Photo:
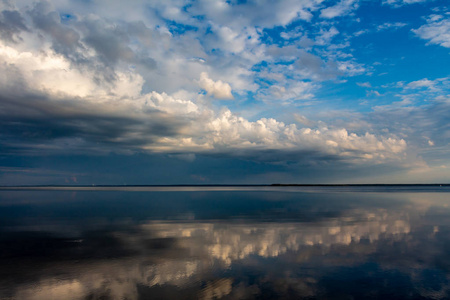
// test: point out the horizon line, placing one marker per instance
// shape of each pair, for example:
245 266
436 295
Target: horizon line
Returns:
227 185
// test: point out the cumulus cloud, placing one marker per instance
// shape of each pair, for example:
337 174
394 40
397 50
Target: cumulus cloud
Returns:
218 89
226 50
120 114
94 82
436 31
70 105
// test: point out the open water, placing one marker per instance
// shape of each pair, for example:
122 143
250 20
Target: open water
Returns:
369 242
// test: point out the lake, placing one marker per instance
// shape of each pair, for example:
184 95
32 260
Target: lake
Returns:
244 242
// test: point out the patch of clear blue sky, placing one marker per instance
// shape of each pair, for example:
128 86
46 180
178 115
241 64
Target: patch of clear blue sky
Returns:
177 28
388 55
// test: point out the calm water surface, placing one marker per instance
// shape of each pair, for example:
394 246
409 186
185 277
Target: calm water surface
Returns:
225 243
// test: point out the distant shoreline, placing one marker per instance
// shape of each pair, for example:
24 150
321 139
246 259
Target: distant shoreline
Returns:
234 185
435 187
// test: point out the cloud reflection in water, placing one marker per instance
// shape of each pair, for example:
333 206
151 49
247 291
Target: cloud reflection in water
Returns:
392 250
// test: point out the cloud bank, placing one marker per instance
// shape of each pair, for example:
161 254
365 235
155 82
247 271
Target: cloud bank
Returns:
83 82
66 106
159 78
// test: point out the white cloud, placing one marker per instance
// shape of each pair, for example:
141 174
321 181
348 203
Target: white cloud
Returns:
389 25
204 129
364 84
342 8
132 70
426 87
420 84
361 32
398 3
50 72
436 31
350 67
263 13
373 92
299 90
236 242
325 36
226 42
218 89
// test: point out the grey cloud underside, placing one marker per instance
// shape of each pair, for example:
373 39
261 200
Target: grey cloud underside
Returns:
45 120
287 157
34 125
11 23
88 83
27 120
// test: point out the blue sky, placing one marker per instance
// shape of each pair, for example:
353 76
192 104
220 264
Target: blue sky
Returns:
181 92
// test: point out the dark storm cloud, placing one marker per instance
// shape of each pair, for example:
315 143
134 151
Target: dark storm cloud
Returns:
47 123
286 156
29 120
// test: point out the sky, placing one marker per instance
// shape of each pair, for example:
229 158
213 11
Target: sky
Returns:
224 92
